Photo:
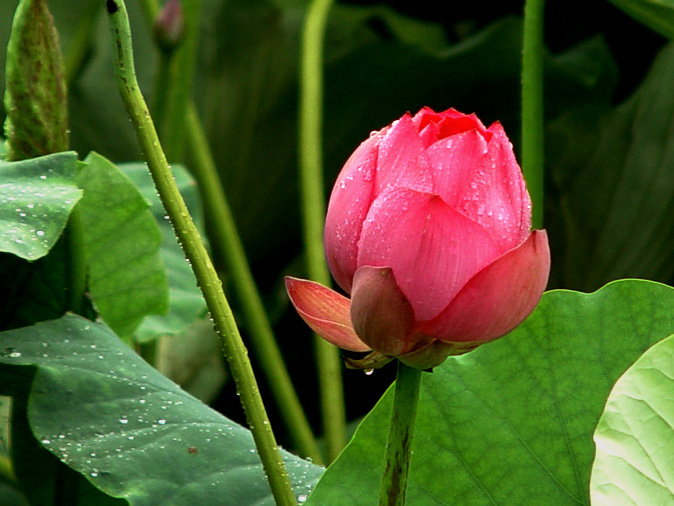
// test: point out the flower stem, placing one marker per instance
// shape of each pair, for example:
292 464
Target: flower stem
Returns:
532 107
252 309
401 433
313 210
180 85
227 241
195 251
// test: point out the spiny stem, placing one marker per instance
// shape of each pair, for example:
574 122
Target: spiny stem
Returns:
313 211
532 107
233 347
401 433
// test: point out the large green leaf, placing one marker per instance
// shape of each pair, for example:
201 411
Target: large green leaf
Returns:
186 302
36 197
512 422
615 175
127 429
635 435
656 14
127 279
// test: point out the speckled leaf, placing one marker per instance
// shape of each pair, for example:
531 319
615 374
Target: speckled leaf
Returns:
127 429
36 197
127 278
511 423
635 435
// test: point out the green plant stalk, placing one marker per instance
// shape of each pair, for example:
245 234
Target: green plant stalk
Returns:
6 469
313 212
161 88
195 251
532 107
181 77
401 433
78 48
227 238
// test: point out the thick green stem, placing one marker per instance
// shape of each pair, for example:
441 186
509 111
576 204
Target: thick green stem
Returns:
401 433
532 107
313 211
226 237
195 251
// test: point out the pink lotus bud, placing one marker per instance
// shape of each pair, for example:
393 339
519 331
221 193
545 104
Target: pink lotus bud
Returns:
428 230
169 26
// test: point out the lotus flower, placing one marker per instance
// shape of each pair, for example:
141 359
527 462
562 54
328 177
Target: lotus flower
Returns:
428 230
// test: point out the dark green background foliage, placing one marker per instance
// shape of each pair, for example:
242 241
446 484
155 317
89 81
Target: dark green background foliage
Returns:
609 146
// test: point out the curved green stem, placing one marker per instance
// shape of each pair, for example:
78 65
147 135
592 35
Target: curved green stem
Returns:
401 433
195 251
313 211
181 75
227 238
532 107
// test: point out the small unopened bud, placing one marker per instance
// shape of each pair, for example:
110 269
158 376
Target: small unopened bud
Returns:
169 26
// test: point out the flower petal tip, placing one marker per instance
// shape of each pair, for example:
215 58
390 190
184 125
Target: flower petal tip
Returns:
325 311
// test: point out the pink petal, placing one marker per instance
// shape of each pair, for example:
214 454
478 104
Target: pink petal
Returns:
325 311
432 249
499 297
402 161
380 313
435 126
483 181
349 203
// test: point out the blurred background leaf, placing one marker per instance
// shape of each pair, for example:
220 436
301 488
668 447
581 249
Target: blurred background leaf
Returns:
615 180
657 15
186 302
127 278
